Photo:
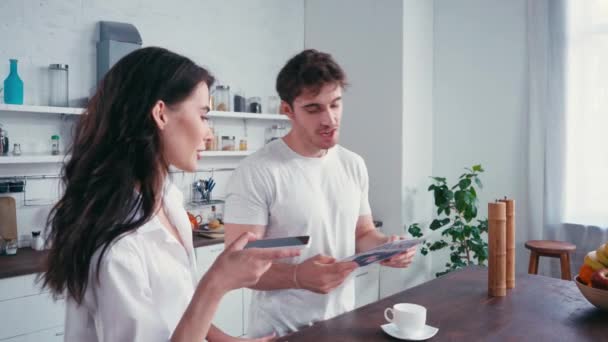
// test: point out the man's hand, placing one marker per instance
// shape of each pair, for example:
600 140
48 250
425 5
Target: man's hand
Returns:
322 274
401 260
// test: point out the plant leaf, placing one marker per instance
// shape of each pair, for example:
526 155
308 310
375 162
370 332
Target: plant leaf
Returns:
415 230
478 168
438 245
464 183
436 224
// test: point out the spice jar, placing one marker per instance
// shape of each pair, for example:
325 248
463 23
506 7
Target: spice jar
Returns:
243 145
228 143
11 247
17 149
240 102
255 105
3 141
37 241
58 92
55 145
273 105
222 98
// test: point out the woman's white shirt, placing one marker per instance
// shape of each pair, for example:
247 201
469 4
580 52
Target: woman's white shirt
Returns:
146 281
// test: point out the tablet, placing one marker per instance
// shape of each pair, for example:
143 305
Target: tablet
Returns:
383 252
296 242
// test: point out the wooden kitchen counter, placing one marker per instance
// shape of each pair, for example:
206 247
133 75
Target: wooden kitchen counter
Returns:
28 261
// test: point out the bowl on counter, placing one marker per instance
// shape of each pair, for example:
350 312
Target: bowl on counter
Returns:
597 297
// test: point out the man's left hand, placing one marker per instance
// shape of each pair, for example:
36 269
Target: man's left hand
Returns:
401 260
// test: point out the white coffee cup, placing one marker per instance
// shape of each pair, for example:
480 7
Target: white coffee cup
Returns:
408 318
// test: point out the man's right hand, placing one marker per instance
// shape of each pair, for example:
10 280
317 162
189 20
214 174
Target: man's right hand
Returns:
322 274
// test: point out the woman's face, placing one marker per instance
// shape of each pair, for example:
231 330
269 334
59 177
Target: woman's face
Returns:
185 129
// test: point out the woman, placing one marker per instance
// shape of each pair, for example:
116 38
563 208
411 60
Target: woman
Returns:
122 246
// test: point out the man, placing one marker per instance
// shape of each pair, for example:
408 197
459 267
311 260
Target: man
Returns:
306 184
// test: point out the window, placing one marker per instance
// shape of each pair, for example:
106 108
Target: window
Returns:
586 74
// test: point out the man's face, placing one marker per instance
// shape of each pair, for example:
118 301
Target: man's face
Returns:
316 118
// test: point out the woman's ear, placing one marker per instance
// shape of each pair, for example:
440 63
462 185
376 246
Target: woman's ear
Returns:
159 114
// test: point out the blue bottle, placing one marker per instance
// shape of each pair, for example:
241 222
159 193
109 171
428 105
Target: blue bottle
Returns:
13 86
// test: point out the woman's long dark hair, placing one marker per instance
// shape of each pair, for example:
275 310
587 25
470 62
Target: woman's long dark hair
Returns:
116 148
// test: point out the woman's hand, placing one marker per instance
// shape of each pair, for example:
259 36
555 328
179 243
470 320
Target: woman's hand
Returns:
236 268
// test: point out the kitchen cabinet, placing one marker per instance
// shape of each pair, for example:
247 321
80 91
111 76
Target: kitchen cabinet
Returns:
229 316
30 314
27 310
47 335
367 285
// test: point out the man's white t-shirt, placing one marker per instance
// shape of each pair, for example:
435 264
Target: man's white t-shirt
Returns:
294 195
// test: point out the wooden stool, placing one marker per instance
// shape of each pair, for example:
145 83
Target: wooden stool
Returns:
552 249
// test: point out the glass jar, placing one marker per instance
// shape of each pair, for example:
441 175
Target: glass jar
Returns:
55 145
228 143
37 241
255 104
17 149
240 102
221 98
243 145
59 85
11 247
273 105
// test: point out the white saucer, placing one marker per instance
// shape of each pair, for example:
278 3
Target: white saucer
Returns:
424 334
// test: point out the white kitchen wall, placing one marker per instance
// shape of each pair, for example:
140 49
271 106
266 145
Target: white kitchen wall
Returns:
386 52
244 43
480 97
476 70
418 56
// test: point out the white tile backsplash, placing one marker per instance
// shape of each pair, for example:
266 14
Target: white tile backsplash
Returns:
243 42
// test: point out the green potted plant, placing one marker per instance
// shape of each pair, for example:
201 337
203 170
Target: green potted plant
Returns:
457 221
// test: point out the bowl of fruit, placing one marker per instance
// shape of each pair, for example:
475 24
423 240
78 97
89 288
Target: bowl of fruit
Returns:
592 279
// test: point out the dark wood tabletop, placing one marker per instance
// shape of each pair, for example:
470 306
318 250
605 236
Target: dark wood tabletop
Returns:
538 309
28 261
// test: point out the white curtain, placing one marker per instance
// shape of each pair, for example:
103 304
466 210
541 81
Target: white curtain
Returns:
567 161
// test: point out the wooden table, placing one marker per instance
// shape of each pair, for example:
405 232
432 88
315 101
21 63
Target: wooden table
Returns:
538 309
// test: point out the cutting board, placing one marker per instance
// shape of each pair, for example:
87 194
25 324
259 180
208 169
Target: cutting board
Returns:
8 218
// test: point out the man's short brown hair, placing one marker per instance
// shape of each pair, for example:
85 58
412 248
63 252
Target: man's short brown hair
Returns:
309 70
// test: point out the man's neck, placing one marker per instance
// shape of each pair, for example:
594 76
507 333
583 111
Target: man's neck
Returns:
301 148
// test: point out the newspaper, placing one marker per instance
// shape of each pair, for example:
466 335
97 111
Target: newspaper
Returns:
383 252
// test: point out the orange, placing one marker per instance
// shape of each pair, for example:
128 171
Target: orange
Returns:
585 274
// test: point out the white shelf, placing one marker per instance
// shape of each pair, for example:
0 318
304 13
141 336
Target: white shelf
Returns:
79 111
40 109
50 159
32 159
253 116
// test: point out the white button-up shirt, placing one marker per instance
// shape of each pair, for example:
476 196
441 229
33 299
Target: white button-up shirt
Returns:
146 281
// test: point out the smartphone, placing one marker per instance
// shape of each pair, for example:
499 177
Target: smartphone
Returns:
295 242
